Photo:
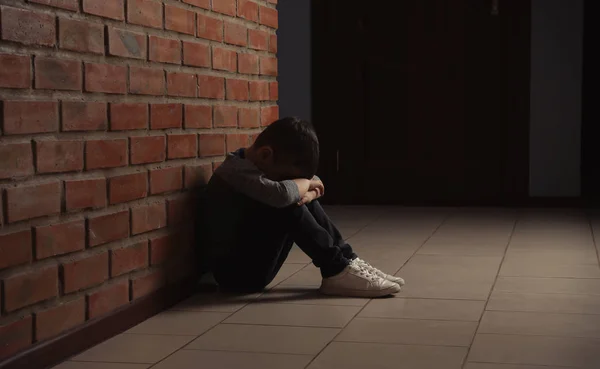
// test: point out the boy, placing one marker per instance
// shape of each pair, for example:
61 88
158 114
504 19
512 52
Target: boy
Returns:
263 199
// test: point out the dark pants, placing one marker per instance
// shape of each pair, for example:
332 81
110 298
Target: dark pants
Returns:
267 238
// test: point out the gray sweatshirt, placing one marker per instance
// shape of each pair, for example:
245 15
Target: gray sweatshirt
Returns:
245 178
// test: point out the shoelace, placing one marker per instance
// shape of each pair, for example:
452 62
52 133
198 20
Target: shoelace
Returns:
366 265
365 272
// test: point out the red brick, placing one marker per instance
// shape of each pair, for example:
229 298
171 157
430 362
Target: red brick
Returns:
126 44
59 239
197 175
84 116
29 288
147 218
166 180
273 91
198 116
127 187
211 87
248 63
108 228
224 7
57 74
237 141
273 43
15 249
33 201
164 116
204 4
148 149
165 50
268 115
28 27
80 36
85 193
181 84
85 273
129 258
26 117
259 90
128 116
180 20
161 249
178 211
236 34
108 299
258 40
145 13
57 319
15 337
268 66
268 17
72 5
182 146
105 154
212 145
105 78
247 9
114 9
237 89
249 118
196 55
210 28
15 71
146 81
224 59
148 283
59 156
16 160
225 116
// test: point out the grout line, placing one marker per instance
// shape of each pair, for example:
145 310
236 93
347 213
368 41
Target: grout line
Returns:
465 360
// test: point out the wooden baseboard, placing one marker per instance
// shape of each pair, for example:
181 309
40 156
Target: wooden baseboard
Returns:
52 352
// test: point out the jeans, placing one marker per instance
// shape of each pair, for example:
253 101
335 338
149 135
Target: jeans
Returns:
267 237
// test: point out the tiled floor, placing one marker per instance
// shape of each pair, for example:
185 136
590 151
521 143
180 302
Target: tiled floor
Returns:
486 289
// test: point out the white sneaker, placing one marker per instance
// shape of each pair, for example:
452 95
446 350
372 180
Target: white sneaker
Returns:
379 273
358 281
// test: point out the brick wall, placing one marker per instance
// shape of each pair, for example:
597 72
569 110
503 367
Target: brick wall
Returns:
111 110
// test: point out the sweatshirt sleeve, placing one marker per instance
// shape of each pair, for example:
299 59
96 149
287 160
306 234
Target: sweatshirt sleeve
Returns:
245 178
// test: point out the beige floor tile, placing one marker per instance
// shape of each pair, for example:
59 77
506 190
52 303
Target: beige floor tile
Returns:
88 365
193 359
548 285
409 332
459 310
383 356
175 322
267 339
544 303
536 350
540 324
309 276
533 268
462 249
449 277
134 348
295 315
510 366
577 256
285 272
307 296
216 302
297 256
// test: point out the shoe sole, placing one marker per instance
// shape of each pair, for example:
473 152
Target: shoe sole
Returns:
361 293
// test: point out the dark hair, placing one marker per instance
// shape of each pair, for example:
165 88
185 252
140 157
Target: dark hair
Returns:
294 142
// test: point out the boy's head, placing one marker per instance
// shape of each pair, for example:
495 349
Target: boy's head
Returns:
287 149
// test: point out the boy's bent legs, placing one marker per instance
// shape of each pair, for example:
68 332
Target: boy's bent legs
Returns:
324 221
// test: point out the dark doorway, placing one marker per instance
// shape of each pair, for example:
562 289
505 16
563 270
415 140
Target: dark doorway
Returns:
423 102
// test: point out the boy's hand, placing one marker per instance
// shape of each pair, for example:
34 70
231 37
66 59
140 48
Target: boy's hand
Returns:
318 186
309 197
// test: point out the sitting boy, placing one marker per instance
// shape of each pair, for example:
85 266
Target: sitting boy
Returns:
263 199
